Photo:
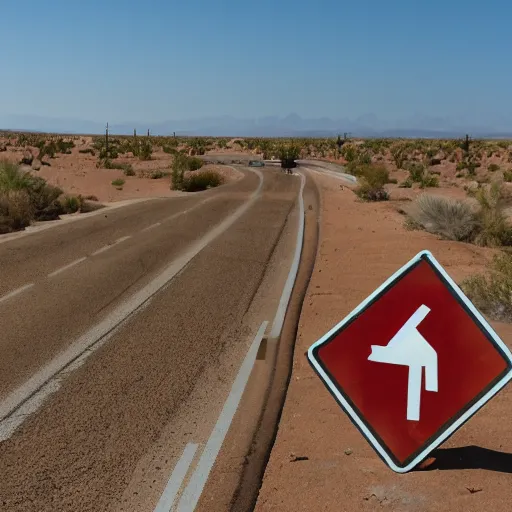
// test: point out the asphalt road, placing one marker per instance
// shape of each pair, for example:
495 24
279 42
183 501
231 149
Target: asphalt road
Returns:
122 335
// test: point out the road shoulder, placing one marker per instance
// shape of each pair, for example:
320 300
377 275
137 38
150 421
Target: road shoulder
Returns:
319 460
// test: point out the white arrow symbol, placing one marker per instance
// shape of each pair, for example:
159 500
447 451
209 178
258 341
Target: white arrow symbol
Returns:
409 348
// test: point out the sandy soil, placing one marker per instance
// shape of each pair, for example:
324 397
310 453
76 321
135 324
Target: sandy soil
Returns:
319 460
77 173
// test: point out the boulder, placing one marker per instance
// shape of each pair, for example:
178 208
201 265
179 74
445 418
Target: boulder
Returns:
36 164
45 160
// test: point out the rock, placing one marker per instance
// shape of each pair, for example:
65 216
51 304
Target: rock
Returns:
36 164
3 148
435 161
472 185
27 159
45 160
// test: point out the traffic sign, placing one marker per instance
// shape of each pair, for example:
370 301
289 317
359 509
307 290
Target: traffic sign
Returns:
412 362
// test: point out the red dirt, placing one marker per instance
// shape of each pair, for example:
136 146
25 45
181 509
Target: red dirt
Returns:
77 173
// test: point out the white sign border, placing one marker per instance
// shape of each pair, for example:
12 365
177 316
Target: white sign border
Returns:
467 414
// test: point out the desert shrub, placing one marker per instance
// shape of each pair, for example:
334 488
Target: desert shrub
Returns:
156 175
373 178
16 211
194 163
349 152
87 151
145 149
179 166
450 218
494 228
63 146
119 182
507 175
201 181
169 150
407 183
493 167
492 293
125 167
71 204
419 174
453 219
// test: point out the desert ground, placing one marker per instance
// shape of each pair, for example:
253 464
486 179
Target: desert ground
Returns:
370 206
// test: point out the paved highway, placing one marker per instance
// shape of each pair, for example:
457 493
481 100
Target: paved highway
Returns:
126 341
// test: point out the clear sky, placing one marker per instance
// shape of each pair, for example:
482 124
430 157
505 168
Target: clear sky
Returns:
155 60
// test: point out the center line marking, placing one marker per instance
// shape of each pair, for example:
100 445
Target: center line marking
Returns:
155 225
12 294
109 246
72 264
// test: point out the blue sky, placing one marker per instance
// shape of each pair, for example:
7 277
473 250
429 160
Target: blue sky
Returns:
124 60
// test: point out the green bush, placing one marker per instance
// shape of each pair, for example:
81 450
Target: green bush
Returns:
373 178
71 204
87 151
507 175
156 175
195 163
118 182
202 181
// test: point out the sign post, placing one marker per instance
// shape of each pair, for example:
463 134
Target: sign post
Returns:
412 363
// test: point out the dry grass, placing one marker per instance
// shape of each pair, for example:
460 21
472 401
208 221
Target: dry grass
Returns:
449 218
453 219
492 293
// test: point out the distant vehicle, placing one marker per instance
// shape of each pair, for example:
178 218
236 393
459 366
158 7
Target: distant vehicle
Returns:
256 163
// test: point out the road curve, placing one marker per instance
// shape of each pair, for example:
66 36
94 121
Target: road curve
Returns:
206 270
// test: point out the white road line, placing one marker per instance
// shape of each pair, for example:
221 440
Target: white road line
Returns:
155 225
178 475
12 294
91 340
109 246
192 492
292 275
66 267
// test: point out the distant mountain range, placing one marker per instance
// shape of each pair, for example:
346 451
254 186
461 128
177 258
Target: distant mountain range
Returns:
290 126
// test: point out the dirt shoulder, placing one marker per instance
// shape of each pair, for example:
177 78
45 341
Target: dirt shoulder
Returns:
319 460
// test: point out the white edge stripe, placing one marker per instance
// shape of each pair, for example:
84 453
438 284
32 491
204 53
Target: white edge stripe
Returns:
194 489
288 287
176 480
499 385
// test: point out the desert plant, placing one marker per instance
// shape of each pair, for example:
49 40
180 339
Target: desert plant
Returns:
492 293
507 175
119 182
16 211
450 218
87 151
71 204
156 175
373 178
494 228
493 167
194 163
201 181
179 166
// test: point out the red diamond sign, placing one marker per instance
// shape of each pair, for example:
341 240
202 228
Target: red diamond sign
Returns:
412 363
